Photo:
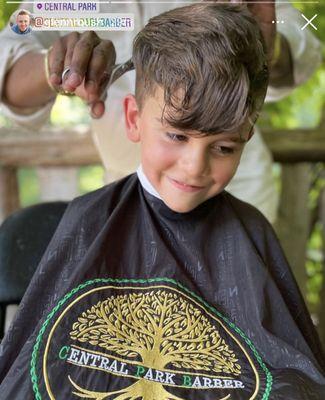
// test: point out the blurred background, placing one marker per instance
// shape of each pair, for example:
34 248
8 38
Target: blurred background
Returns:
301 183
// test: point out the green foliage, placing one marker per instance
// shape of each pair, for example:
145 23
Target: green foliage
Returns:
90 178
314 267
5 122
5 12
309 9
315 247
304 106
69 111
29 191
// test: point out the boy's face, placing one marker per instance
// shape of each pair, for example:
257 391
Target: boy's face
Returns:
184 170
22 22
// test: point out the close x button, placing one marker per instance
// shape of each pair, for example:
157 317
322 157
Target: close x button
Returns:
309 22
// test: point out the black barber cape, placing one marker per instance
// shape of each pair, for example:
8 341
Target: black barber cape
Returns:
134 301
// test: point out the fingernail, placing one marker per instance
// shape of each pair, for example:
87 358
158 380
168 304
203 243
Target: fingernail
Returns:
74 79
97 110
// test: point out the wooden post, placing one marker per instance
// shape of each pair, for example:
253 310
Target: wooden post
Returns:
321 309
9 193
294 217
58 183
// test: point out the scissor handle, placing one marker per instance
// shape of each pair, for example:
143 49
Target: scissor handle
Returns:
117 71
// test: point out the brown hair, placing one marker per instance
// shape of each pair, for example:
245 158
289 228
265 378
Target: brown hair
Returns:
23 12
212 56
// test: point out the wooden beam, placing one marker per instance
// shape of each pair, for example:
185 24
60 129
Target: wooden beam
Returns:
75 147
301 145
52 147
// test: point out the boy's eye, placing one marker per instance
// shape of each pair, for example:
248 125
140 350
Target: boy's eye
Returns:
223 150
176 137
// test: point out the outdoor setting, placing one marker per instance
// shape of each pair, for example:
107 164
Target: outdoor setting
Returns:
293 129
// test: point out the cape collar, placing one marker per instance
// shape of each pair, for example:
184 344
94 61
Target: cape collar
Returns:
146 184
163 210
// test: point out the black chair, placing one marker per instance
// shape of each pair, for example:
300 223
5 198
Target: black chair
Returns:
24 237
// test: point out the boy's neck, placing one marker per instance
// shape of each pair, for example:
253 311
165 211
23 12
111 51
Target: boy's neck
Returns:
145 183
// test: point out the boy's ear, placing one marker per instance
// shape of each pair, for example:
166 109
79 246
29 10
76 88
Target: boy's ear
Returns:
132 116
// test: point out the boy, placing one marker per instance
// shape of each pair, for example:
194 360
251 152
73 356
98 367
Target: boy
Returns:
161 285
22 25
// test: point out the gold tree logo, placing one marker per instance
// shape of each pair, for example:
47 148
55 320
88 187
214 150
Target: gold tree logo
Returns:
158 329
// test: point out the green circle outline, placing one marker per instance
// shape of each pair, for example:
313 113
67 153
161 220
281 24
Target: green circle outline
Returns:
33 374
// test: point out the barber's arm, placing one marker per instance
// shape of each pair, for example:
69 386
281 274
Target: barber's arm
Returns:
25 83
21 97
31 82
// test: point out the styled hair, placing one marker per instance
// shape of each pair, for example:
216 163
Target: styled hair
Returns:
24 12
210 60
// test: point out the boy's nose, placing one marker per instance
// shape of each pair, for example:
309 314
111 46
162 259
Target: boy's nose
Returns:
195 164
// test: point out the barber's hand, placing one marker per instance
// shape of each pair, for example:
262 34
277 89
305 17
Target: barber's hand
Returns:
89 58
264 13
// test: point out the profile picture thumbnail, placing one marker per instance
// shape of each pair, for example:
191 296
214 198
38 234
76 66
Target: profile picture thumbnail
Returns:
21 22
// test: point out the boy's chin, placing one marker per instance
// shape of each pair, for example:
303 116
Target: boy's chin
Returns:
180 207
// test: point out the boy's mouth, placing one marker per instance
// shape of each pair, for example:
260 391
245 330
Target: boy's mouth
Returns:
184 186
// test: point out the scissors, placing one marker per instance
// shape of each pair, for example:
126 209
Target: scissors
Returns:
115 73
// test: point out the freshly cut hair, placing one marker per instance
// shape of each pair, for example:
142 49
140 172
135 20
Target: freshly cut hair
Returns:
210 60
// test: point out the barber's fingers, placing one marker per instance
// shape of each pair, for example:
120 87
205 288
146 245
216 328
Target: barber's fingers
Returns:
101 62
77 59
71 41
57 56
89 60
97 109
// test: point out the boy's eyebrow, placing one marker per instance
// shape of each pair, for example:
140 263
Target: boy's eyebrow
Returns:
236 139
239 139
